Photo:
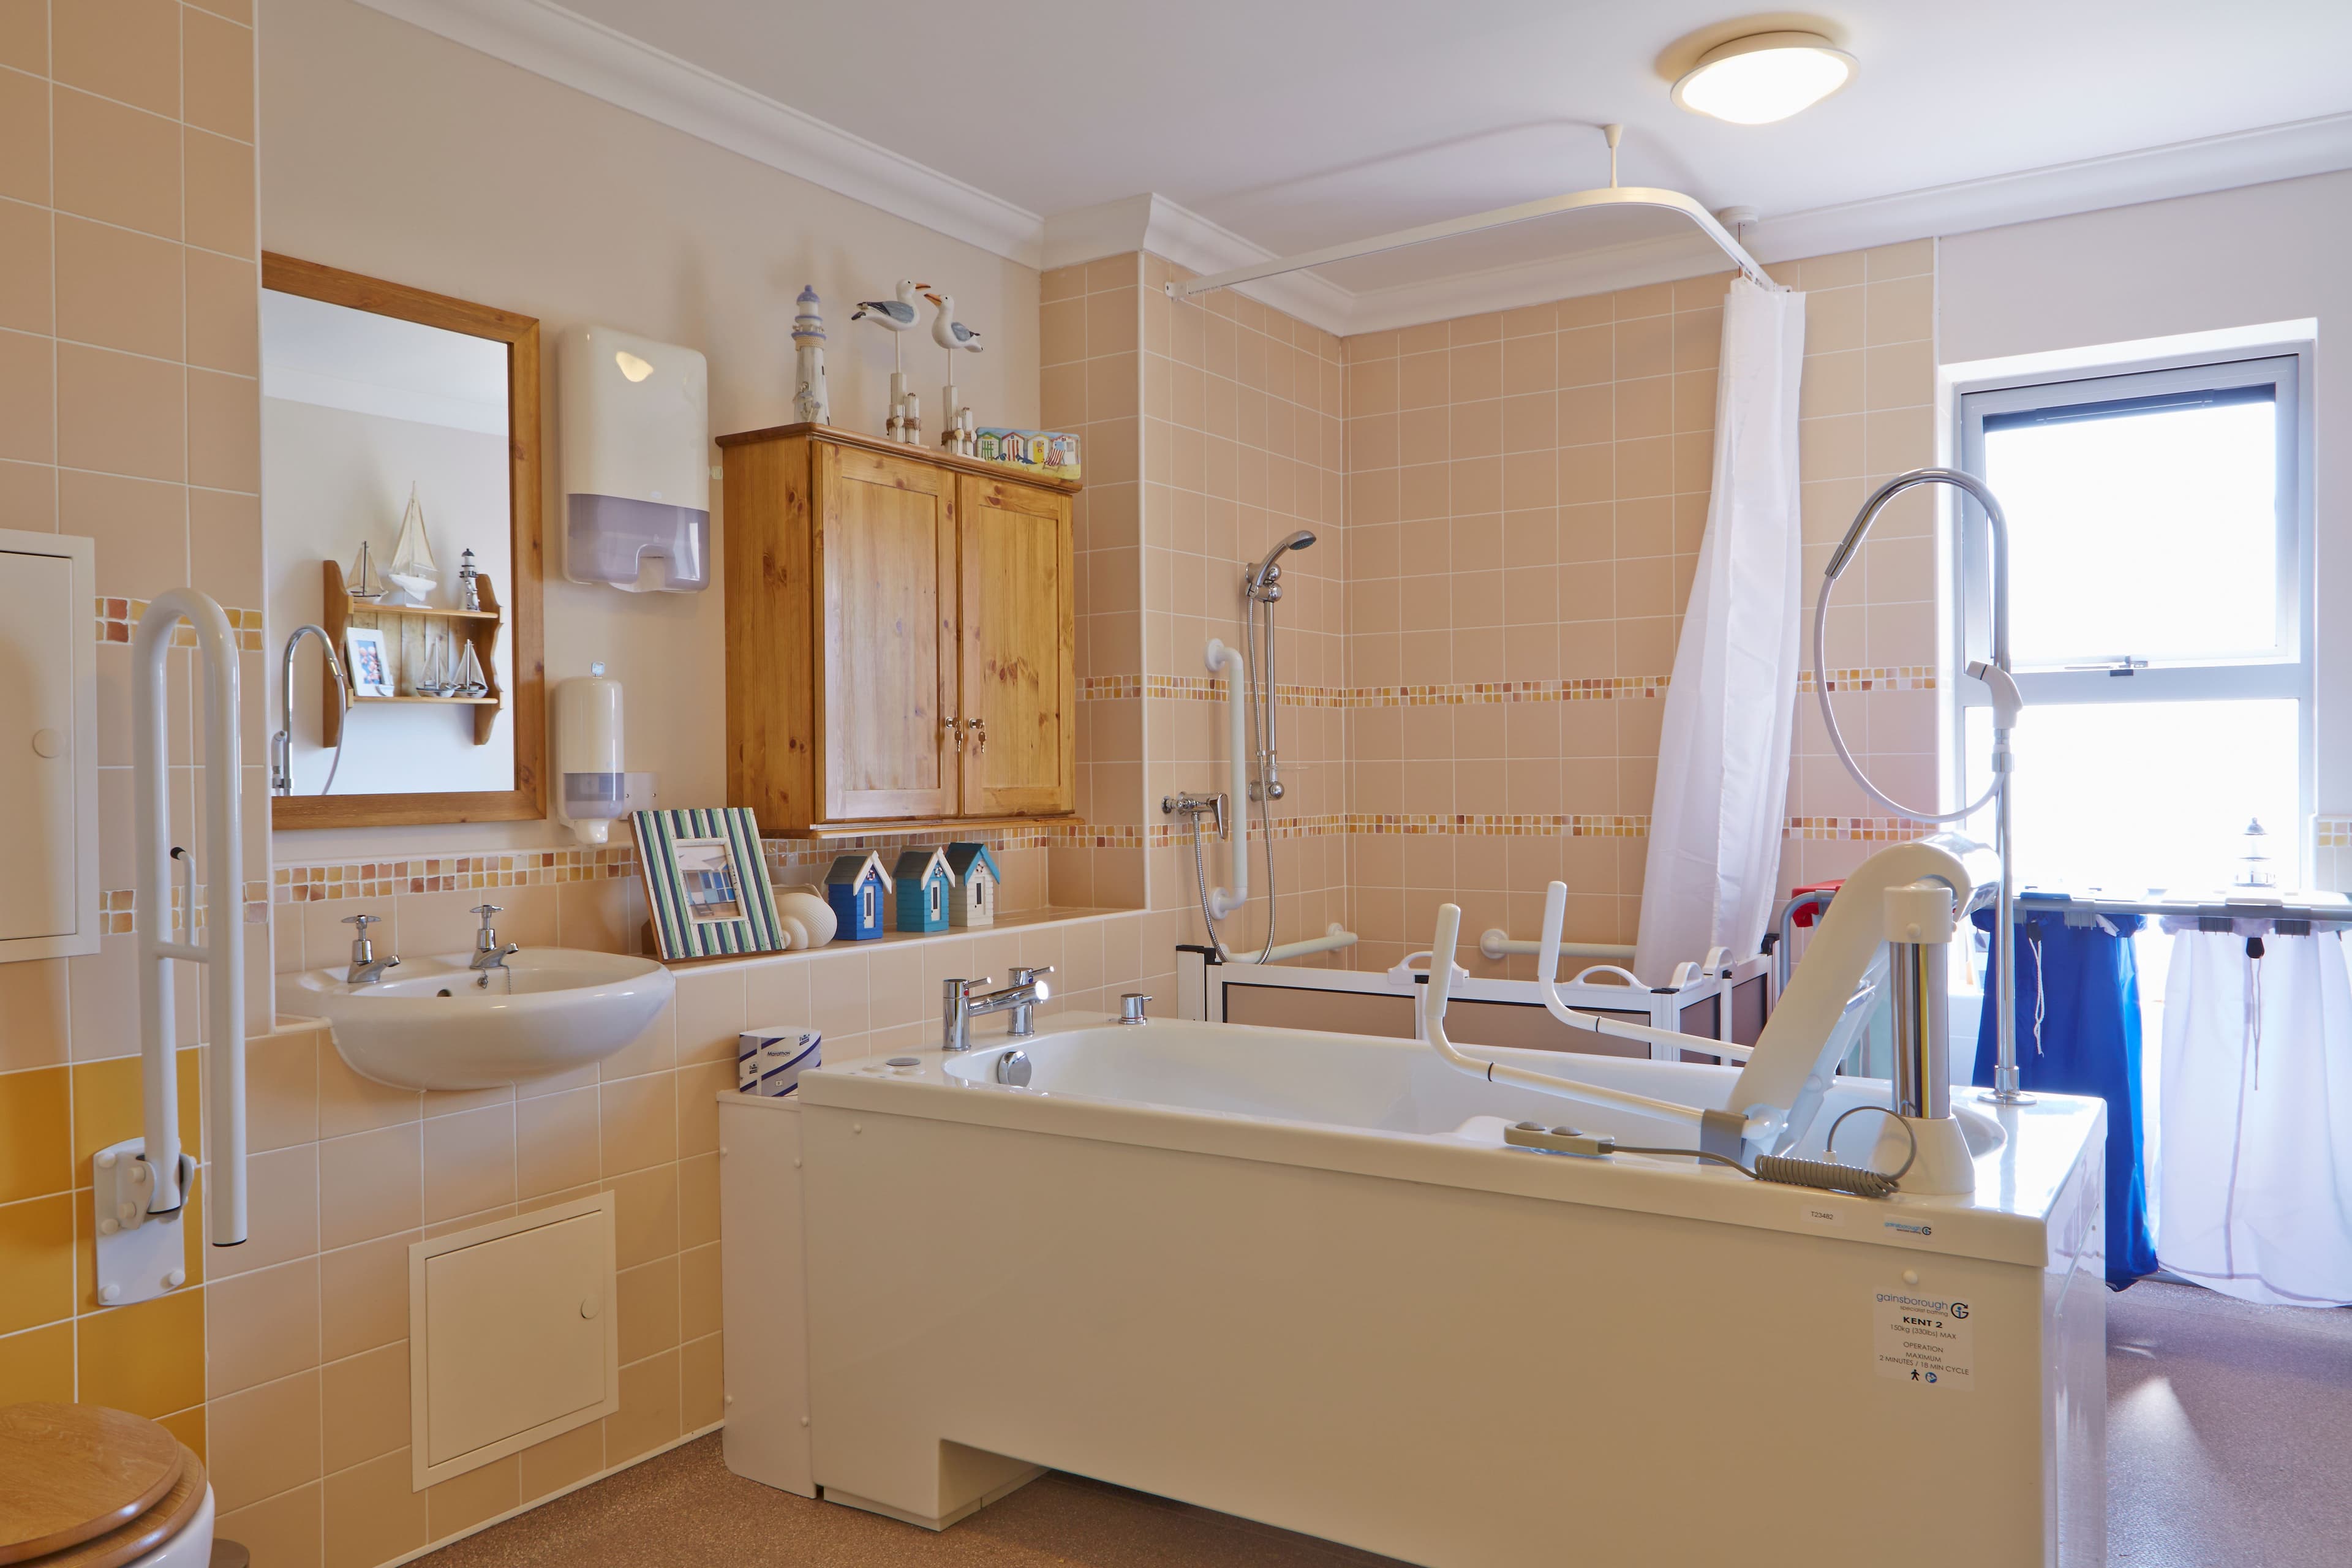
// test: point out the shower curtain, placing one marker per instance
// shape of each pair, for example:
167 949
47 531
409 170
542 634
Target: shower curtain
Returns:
1714 863
2255 1117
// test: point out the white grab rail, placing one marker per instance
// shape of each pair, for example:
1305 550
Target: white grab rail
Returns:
1497 943
223 945
1546 988
1335 937
1226 900
1440 983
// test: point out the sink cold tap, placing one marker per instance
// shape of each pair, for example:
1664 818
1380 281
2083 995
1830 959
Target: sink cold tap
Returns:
958 1005
488 954
366 967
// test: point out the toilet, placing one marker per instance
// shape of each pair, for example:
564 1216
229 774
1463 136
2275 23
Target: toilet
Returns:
93 1488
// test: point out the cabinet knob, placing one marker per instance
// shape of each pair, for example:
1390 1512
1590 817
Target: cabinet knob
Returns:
980 733
954 728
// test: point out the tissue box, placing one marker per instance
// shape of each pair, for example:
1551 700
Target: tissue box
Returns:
771 1060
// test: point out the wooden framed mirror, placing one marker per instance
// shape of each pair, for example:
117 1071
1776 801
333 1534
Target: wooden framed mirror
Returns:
391 416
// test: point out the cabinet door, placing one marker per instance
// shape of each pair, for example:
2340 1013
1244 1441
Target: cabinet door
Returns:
887 545
1020 641
39 621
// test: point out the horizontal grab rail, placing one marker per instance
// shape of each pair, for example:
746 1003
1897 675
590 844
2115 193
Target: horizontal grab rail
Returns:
1335 937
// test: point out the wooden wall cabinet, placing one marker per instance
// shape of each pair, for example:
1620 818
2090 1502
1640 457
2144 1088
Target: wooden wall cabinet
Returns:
901 637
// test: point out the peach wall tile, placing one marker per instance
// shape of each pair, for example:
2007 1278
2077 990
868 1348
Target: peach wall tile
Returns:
224 329
648 1416
468 1164
366 1397
560 1461
124 49
117 163
364 1296
25 299
264 1325
23 137
282 1532
372 1516
217 79
219 176
27 400
121 413
466 1500
371 1185
224 431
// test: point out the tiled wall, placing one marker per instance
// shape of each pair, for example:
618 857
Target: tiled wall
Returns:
128 413
1221 417
1526 495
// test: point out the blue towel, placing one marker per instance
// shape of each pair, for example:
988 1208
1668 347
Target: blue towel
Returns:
2090 1033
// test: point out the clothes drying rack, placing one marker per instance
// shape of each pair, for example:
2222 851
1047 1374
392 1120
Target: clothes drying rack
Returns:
1615 195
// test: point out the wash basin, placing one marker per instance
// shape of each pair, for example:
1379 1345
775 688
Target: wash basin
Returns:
433 1023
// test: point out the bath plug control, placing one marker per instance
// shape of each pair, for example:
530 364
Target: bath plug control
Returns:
1545 1140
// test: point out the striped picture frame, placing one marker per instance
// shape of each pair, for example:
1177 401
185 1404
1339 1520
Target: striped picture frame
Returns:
707 883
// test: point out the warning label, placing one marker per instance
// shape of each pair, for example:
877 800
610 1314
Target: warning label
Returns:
1925 1340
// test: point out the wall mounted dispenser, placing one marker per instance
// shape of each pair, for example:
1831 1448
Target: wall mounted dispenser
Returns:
635 426
591 790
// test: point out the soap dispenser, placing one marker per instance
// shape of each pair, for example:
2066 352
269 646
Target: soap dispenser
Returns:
592 790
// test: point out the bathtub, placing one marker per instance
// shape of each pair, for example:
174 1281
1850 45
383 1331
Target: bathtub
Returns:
1299 1277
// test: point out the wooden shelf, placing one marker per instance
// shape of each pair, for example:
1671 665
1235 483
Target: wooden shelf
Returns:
406 638
428 612
475 701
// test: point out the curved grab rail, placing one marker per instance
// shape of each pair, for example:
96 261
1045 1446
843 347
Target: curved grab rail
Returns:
1441 984
1546 988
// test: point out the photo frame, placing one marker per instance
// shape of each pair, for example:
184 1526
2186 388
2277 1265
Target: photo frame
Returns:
707 883
369 661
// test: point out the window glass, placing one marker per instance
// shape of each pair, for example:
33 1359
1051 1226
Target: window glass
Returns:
2145 530
2129 796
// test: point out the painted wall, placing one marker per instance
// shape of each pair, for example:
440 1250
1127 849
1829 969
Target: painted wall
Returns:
2244 257
394 152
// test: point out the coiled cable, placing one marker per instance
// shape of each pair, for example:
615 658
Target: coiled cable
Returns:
1830 1176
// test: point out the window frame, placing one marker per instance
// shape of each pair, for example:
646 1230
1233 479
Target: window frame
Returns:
2288 673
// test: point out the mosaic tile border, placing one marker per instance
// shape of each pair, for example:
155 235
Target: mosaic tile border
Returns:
1883 678
1203 688
118 620
1857 829
118 907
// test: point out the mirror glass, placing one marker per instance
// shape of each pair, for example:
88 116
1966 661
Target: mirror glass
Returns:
389 481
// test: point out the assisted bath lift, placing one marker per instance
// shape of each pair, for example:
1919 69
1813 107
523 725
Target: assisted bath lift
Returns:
1901 903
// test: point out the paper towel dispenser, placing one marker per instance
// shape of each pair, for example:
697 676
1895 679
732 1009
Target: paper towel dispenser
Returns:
635 426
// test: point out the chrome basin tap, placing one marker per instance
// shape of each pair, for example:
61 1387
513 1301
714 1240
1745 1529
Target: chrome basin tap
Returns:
960 1006
488 954
366 967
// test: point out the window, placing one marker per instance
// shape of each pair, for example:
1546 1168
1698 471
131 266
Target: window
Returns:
2159 618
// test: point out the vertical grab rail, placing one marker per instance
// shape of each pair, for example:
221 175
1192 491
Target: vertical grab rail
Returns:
222 948
1224 900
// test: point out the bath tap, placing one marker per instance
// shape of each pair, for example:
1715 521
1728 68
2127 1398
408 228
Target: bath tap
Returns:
958 1006
488 954
366 967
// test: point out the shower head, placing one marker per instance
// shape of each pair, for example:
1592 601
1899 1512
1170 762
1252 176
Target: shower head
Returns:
1258 578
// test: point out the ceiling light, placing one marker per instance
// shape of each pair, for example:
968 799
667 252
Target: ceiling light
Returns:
1764 76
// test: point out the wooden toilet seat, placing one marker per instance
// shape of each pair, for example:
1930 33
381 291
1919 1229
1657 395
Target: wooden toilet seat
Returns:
89 1487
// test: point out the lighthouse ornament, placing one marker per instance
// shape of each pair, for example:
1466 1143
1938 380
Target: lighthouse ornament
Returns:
811 404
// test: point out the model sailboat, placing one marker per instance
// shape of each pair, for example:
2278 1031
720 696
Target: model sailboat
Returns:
411 569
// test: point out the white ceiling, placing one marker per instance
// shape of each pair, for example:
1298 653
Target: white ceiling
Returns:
1297 123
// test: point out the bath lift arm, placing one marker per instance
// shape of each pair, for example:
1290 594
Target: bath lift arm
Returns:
1720 1132
1547 973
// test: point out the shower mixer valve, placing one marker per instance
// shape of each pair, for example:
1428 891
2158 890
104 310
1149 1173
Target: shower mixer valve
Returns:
1184 802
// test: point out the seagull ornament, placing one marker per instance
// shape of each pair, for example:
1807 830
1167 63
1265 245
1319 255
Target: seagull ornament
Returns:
946 331
896 314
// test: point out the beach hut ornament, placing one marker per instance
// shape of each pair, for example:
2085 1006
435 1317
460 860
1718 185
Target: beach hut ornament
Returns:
923 882
971 900
855 888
